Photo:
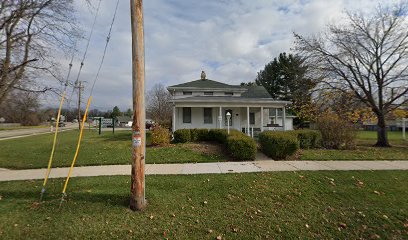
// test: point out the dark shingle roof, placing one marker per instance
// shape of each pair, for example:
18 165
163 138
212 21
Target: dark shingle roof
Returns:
256 92
207 83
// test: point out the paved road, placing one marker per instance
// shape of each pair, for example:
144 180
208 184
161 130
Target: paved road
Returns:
18 133
207 168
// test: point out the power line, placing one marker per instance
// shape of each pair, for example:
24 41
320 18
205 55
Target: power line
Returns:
87 106
106 46
87 44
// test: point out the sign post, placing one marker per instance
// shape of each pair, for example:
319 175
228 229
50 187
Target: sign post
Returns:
137 189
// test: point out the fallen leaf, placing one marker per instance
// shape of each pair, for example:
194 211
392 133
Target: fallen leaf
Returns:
385 216
343 225
151 217
235 230
210 231
35 205
406 224
205 202
219 237
307 226
377 192
1 197
375 236
359 183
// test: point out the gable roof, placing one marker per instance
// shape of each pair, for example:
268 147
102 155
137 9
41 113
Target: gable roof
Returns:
255 92
207 83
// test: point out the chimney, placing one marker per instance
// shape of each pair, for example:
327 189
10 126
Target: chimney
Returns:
203 75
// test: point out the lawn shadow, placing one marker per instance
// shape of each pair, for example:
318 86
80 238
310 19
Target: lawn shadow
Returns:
77 197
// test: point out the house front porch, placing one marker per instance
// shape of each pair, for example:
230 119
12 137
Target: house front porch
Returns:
249 119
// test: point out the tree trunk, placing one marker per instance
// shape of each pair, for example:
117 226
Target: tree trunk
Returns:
382 139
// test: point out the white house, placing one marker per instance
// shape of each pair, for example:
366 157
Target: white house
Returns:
209 104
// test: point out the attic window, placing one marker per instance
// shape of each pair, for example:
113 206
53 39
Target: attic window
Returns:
229 93
187 93
208 93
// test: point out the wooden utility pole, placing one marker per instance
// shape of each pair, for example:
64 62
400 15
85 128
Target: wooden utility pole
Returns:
79 104
137 189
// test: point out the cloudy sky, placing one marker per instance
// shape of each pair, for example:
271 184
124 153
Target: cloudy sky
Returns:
230 39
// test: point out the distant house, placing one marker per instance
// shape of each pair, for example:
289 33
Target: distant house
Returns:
123 121
207 103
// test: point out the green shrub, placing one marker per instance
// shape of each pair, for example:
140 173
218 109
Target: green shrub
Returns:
308 138
337 133
203 135
218 135
199 135
278 145
241 147
182 136
238 145
160 136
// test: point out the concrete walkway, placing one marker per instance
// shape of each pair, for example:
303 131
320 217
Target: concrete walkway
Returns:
207 168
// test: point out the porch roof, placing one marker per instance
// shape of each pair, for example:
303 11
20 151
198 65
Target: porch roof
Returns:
228 99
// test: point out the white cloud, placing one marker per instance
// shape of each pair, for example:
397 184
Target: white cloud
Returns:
230 40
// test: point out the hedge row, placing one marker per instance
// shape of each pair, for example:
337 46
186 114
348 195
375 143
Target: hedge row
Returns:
279 145
238 145
308 138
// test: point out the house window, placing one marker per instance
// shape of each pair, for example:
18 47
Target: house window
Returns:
187 93
252 118
225 117
186 115
229 93
208 93
208 115
274 111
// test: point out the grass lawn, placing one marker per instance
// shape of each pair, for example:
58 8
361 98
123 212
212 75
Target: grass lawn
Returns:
34 151
364 150
306 205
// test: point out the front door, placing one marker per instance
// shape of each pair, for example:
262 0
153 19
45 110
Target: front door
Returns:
237 120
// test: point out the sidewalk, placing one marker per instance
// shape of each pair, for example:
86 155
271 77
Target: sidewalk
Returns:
207 168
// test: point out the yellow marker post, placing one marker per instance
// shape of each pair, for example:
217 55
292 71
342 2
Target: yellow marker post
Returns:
77 149
47 174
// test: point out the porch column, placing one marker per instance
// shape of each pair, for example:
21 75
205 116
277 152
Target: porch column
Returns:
262 123
276 116
174 118
220 118
248 132
284 118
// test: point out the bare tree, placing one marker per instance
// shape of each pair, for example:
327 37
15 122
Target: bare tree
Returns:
22 107
31 33
159 107
367 55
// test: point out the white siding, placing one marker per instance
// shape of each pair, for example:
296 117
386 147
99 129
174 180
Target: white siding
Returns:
239 122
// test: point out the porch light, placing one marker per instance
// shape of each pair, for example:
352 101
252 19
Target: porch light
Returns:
228 121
